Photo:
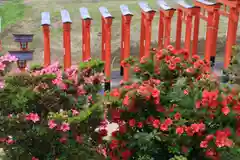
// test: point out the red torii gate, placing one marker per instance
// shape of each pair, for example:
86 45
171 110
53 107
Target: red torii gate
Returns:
212 27
147 15
66 20
86 24
166 14
233 16
46 36
107 19
125 39
185 14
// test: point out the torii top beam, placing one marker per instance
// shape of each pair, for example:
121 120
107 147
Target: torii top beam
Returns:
45 18
164 6
187 8
84 13
125 10
209 6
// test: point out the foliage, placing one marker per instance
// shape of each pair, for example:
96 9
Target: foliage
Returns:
5 64
177 108
48 113
232 72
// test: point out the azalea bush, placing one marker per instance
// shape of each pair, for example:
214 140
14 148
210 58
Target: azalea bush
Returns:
231 74
48 113
176 109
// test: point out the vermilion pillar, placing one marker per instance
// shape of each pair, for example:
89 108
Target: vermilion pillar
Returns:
179 28
46 37
146 23
142 35
166 14
186 13
125 43
106 26
212 19
188 32
86 24
161 30
122 46
47 55
195 34
231 34
233 16
103 39
66 38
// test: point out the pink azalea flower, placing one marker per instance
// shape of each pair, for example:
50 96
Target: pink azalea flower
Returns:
80 90
9 140
75 112
2 84
51 124
65 127
34 158
10 115
32 117
2 66
63 139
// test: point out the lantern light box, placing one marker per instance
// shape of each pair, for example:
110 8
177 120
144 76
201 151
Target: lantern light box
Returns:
23 38
22 55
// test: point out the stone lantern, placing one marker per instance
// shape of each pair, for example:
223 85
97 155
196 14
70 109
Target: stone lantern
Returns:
24 54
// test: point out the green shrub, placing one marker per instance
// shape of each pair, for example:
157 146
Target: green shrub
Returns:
176 109
50 114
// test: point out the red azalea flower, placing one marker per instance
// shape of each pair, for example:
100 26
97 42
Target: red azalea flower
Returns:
126 154
143 60
209 137
34 158
225 110
196 57
204 144
179 130
210 153
164 127
140 125
184 149
79 139
132 122
155 93
114 144
172 66
126 100
170 48
160 108
116 114
63 140
103 132
150 120
115 93
189 131
238 132
156 123
137 69
168 121
114 133
122 129
177 116
198 104
185 92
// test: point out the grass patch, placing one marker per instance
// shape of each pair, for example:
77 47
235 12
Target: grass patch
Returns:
11 12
